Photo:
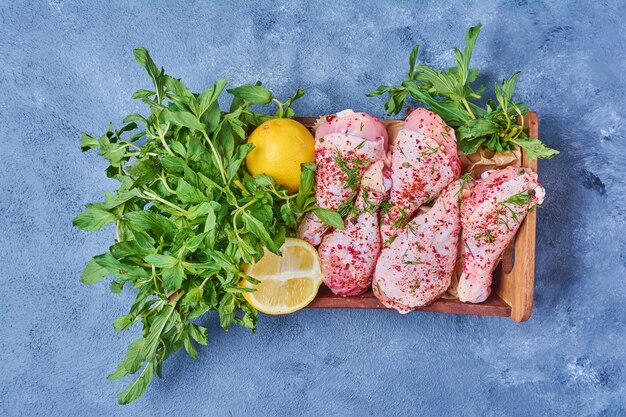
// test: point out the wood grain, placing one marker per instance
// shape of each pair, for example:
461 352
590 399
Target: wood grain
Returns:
493 306
516 286
513 284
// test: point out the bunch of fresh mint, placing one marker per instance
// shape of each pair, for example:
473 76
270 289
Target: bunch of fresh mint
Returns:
187 214
450 94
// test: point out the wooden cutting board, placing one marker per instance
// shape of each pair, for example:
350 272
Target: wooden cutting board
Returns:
513 278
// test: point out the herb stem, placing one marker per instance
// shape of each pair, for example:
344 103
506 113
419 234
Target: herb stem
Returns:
467 107
164 181
216 156
118 222
240 185
283 197
133 145
156 286
280 112
237 212
161 136
164 201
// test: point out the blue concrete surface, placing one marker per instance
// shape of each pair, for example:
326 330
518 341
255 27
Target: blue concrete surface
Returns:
67 67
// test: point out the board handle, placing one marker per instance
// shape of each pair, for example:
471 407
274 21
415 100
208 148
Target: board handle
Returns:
517 278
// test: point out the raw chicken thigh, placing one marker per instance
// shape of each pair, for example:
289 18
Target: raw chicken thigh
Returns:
349 256
424 161
416 268
347 142
491 213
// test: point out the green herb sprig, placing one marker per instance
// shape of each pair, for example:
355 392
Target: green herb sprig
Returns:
187 214
450 94
352 169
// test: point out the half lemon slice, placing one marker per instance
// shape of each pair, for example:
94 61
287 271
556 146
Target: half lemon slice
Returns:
288 282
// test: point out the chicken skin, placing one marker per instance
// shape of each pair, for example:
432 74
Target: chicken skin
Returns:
345 146
492 210
424 161
416 268
349 256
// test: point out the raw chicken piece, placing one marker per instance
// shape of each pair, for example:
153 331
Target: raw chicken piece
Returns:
416 268
424 161
346 144
491 213
349 255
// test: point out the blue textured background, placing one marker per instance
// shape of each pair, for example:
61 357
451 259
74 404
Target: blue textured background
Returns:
66 67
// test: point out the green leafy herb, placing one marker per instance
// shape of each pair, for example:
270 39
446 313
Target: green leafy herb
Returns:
187 214
450 94
413 262
519 199
465 179
352 170
523 198
487 235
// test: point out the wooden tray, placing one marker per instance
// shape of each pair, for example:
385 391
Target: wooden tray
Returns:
513 278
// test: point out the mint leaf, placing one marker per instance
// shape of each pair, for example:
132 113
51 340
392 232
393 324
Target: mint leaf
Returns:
177 87
209 96
173 277
190 348
183 119
329 217
199 210
159 325
134 117
120 270
152 222
143 93
93 273
161 261
132 361
237 161
258 229
134 390
131 248
193 296
88 142
476 128
199 334
179 148
123 322
143 58
253 93
307 185
412 59
382 89
189 194
93 219
534 148
173 164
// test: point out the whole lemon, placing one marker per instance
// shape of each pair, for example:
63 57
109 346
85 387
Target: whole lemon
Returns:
280 146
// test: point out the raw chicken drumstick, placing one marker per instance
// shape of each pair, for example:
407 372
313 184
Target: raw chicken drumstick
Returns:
491 213
349 255
345 146
417 267
424 161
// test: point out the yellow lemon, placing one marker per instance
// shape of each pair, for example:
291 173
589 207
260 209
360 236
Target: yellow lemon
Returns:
288 282
280 146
